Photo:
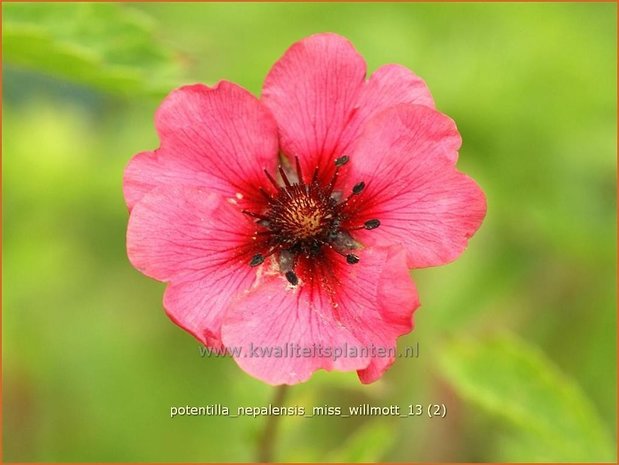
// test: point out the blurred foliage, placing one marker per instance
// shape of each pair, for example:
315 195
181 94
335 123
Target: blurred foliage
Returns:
510 379
91 365
368 444
101 44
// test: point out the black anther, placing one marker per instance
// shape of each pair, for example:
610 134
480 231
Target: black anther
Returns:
358 188
342 160
292 278
257 260
371 224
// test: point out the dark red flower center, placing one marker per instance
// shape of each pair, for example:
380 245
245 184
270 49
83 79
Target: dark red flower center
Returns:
303 218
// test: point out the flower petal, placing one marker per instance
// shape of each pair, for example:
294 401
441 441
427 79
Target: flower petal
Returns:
388 86
398 300
219 138
321 101
199 243
312 91
406 157
355 311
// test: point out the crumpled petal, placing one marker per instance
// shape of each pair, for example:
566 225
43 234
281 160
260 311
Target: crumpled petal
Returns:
198 242
319 96
219 138
359 310
406 157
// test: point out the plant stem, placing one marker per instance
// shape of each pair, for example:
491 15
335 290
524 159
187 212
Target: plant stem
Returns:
269 435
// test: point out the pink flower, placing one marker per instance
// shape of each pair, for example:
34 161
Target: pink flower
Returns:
300 263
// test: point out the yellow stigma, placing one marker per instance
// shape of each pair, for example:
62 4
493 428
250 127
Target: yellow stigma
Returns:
305 218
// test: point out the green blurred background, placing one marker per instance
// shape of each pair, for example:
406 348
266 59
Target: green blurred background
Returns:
517 338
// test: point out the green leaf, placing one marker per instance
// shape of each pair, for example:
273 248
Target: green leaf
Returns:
105 45
368 444
511 379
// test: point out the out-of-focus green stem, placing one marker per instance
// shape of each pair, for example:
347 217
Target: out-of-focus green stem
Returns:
267 442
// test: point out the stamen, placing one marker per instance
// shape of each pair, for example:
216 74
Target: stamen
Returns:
303 217
351 258
292 278
255 215
271 179
356 190
256 260
284 177
341 161
265 194
329 189
315 176
371 224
